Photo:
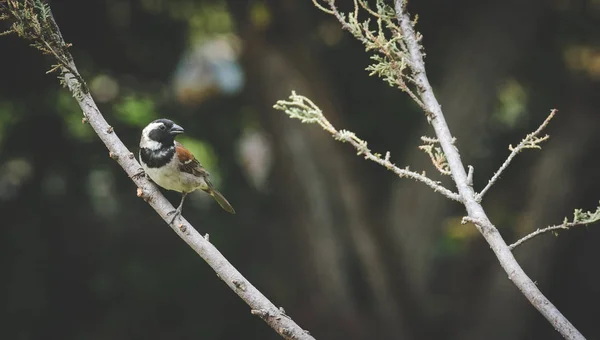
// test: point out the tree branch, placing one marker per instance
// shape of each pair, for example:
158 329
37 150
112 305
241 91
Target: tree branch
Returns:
474 209
53 42
580 218
531 141
399 61
302 108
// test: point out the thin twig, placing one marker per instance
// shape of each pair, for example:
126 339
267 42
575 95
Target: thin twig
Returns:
65 64
469 198
470 175
531 141
402 172
541 231
379 43
580 218
321 7
302 108
438 159
272 315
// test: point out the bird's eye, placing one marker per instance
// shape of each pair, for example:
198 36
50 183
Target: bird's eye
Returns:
162 127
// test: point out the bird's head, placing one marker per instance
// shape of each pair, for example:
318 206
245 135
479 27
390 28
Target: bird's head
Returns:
160 134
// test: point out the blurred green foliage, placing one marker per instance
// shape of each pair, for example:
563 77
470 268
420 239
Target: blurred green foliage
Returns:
135 110
8 117
512 101
71 112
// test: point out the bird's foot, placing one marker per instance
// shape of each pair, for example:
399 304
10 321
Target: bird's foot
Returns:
141 173
175 213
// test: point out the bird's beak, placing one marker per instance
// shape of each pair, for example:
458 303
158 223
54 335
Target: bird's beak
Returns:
176 130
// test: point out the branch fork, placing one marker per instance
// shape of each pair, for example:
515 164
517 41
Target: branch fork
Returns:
531 141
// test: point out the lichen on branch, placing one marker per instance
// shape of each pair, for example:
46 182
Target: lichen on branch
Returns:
580 218
32 20
301 108
381 36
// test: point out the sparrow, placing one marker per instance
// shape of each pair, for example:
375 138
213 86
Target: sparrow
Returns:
173 167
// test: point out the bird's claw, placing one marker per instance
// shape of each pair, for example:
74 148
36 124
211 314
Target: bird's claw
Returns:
141 173
175 214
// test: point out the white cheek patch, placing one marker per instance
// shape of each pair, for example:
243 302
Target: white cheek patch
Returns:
148 143
151 127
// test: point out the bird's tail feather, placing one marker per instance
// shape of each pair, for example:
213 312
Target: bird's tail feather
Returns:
222 201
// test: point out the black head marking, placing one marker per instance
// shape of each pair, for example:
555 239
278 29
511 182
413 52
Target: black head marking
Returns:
157 158
167 122
162 133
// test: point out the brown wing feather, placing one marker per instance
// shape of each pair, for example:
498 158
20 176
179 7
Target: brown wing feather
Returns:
189 163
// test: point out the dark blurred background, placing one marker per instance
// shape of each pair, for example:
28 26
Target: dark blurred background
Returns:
349 250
